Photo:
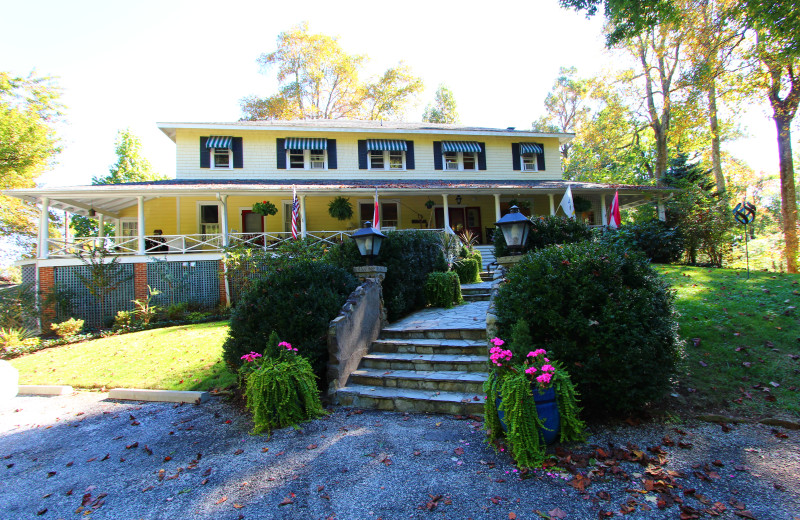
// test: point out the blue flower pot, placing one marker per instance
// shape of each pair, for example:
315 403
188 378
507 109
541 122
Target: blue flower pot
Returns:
547 408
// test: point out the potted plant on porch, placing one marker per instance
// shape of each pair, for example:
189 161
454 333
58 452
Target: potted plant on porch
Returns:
531 401
265 208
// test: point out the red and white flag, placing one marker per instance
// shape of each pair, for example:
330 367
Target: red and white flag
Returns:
376 214
614 219
295 213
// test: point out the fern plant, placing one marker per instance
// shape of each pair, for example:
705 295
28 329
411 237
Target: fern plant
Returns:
279 387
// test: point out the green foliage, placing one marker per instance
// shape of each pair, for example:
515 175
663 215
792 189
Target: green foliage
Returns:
14 339
603 312
340 208
297 300
145 309
409 256
131 165
125 320
443 289
17 306
661 243
468 270
443 109
67 328
282 392
176 311
89 227
546 231
265 208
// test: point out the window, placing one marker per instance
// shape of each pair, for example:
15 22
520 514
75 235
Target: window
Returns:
460 161
528 157
530 162
307 159
387 160
222 158
389 213
130 228
209 219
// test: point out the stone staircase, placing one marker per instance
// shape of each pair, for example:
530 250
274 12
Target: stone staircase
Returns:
421 364
477 292
487 254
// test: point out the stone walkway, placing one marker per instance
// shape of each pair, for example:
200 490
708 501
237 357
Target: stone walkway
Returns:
467 316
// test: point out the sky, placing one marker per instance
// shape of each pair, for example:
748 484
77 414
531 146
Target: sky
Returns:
133 64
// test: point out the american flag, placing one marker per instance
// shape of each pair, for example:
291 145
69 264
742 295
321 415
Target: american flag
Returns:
295 211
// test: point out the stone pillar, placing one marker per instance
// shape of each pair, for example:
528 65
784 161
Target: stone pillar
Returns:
603 213
47 284
370 272
140 225
44 229
552 204
662 211
446 212
140 281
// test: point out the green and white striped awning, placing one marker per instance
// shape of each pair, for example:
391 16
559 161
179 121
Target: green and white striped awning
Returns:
530 148
219 141
461 146
393 145
305 143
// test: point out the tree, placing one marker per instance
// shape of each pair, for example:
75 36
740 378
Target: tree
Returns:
319 80
443 109
29 109
564 105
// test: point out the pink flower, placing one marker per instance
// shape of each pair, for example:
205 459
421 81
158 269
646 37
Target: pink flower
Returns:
497 342
530 370
538 352
285 344
544 378
548 368
252 356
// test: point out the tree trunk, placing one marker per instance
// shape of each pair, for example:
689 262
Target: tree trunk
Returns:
788 201
713 124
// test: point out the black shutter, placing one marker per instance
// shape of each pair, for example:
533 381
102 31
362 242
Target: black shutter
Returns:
437 155
205 153
281 154
332 163
540 158
409 155
482 157
515 165
362 155
238 159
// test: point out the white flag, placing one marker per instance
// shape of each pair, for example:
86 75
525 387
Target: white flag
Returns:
567 204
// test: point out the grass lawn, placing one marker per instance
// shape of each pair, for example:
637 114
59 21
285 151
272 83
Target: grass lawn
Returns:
742 340
187 357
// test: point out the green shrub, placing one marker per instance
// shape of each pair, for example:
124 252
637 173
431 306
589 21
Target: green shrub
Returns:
298 301
125 320
14 339
471 253
17 306
443 289
602 311
468 270
547 231
280 387
659 242
176 311
67 328
408 256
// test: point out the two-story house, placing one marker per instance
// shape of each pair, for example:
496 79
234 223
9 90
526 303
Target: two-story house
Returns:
426 176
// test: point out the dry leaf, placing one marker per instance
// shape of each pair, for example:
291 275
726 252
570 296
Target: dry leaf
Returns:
221 500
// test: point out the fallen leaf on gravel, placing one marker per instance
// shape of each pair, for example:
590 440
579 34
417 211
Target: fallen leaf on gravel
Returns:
207 472
495 500
459 451
221 500
43 511
87 498
148 450
106 457
286 501
264 449
148 488
311 447
238 452
161 474
69 493
738 505
325 496
387 461
417 453
557 513
92 459
745 514
279 453
320 488
580 482
167 458
51 474
512 516
685 445
603 495
238 506
204 482
132 446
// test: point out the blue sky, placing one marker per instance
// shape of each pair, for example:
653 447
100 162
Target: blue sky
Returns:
131 64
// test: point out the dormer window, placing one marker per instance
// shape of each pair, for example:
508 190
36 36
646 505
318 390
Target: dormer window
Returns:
306 153
220 148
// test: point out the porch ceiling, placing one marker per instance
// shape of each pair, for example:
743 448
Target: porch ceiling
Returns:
109 199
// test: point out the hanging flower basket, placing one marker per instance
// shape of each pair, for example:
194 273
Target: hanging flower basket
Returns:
265 208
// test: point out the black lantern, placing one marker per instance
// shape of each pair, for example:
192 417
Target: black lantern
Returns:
458 199
369 241
515 227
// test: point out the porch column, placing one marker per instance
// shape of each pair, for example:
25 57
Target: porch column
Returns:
552 204
603 214
101 226
662 213
446 212
224 200
303 227
44 228
140 225
497 207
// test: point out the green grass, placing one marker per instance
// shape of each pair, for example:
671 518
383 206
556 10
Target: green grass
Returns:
739 340
187 357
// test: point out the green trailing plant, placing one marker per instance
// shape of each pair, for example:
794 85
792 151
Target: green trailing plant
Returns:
513 384
546 231
265 208
340 208
67 328
468 270
279 387
443 289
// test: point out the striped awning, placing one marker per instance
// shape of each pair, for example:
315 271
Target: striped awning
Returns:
461 146
305 143
393 145
219 141
530 148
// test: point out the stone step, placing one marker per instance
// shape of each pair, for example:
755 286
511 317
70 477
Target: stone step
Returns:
469 347
409 400
391 361
443 381
477 297
486 277
475 289
479 333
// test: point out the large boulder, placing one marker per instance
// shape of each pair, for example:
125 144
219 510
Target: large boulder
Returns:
9 381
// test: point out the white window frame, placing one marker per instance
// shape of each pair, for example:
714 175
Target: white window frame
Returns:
306 160
122 225
386 164
229 153
201 203
459 163
534 165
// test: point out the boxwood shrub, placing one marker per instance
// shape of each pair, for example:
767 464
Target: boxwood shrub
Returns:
443 289
604 313
468 270
546 231
661 243
408 256
297 301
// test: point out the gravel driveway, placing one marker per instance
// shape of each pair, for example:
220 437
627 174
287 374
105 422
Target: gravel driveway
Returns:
83 456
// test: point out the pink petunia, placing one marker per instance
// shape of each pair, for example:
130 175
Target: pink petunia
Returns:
530 370
497 342
544 378
548 368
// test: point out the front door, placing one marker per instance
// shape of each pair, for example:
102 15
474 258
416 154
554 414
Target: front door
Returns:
461 219
253 227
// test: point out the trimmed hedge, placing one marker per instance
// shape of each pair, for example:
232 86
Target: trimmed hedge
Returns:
546 231
661 243
468 270
443 289
602 311
297 301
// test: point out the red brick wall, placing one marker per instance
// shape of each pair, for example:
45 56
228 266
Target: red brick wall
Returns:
47 282
140 281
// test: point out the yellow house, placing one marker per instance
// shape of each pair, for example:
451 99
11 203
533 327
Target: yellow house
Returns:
424 175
